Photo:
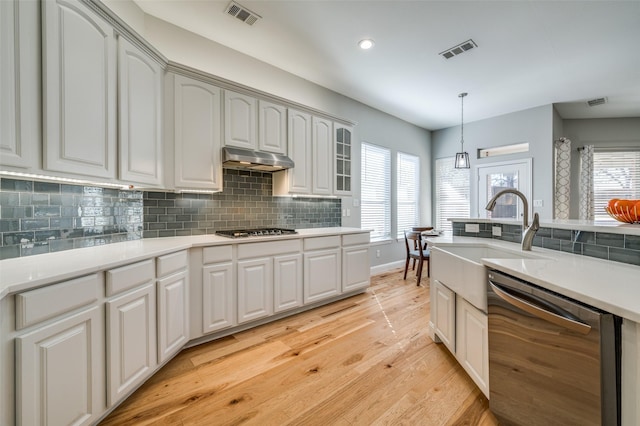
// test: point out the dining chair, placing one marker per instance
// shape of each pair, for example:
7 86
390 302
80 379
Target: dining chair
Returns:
416 253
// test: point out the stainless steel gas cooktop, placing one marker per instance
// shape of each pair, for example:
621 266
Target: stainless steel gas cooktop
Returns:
241 233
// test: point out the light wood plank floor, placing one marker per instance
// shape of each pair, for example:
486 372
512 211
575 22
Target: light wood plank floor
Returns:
366 360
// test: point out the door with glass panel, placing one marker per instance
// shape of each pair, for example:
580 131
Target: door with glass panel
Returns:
493 178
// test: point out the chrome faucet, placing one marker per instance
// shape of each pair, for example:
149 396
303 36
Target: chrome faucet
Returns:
528 231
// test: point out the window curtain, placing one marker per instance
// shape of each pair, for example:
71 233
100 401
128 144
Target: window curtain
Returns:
586 183
562 188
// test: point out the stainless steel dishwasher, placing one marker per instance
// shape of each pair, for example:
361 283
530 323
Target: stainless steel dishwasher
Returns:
552 360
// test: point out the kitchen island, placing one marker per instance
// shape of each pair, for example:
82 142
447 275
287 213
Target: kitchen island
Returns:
611 286
100 321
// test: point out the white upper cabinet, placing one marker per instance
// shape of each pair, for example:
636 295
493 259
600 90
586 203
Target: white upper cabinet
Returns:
140 109
20 126
298 179
272 125
79 74
240 120
322 165
343 159
197 135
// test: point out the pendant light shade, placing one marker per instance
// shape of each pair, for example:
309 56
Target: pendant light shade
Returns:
462 157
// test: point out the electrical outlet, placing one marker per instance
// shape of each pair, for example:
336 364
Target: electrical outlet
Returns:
344 212
471 227
348 212
537 203
377 253
496 231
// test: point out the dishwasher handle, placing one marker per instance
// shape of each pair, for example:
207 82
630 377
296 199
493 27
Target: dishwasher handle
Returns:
561 317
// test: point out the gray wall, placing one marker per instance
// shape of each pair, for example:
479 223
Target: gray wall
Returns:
534 126
602 133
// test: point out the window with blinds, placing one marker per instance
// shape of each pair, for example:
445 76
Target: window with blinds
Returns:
407 192
375 203
452 193
616 174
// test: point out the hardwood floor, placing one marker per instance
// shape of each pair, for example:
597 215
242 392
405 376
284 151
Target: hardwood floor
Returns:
366 360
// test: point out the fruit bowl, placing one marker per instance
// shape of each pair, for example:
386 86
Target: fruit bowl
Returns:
627 211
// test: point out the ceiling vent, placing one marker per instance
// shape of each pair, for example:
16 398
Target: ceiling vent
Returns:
458 49
599 101
242 13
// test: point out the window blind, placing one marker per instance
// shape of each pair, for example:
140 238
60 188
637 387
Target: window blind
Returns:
452 193
616 174
407 193
375 205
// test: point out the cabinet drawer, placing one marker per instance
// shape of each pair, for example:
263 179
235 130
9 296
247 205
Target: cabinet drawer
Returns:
355 239
321 242
128 277
216 254
268 248
38 305
170 263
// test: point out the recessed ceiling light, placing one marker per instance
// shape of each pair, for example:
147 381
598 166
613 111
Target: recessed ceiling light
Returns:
365 44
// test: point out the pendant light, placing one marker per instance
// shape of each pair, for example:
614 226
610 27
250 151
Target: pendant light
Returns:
462 157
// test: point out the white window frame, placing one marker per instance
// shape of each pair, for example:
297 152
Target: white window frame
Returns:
407 192
375 188
452 193
622 181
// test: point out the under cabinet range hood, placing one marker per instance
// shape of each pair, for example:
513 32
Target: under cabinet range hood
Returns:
240 158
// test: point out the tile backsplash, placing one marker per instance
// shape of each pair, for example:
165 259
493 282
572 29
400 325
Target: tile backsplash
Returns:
245 203
603 245
41 217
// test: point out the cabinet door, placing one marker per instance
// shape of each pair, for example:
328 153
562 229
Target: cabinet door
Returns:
140 108
173 322
355 268
131 341
322 141
79 70
287 282
321 275
444 306
218 297
343 159
272 127
472 343
240 120
255 289
19 84
197 135
299 147
60 370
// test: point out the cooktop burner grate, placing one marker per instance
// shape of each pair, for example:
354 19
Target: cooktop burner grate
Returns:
241 233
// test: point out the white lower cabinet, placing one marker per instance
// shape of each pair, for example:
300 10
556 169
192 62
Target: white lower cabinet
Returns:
322 268
131 340
287 282
218 299
472 343
444 314
60 371
173 304
356 273
255 289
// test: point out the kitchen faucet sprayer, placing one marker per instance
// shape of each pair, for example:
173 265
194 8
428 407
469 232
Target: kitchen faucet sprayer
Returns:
528 231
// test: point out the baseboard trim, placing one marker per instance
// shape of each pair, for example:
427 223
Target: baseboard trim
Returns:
379 269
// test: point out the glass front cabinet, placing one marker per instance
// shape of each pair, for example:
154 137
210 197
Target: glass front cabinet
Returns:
343 159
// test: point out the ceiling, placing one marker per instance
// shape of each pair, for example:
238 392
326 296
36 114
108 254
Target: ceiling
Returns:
528 54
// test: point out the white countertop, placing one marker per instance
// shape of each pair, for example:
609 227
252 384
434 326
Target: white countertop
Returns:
610 286
23 273
613 227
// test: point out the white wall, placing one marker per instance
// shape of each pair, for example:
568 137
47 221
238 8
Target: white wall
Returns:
373 126
602 133
534 126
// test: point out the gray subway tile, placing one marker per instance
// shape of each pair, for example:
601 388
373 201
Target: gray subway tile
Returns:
47 187
595 251
608 239
632 242
624 255
16 185
562 234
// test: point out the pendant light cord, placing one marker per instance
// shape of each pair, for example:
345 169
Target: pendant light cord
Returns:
461 96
